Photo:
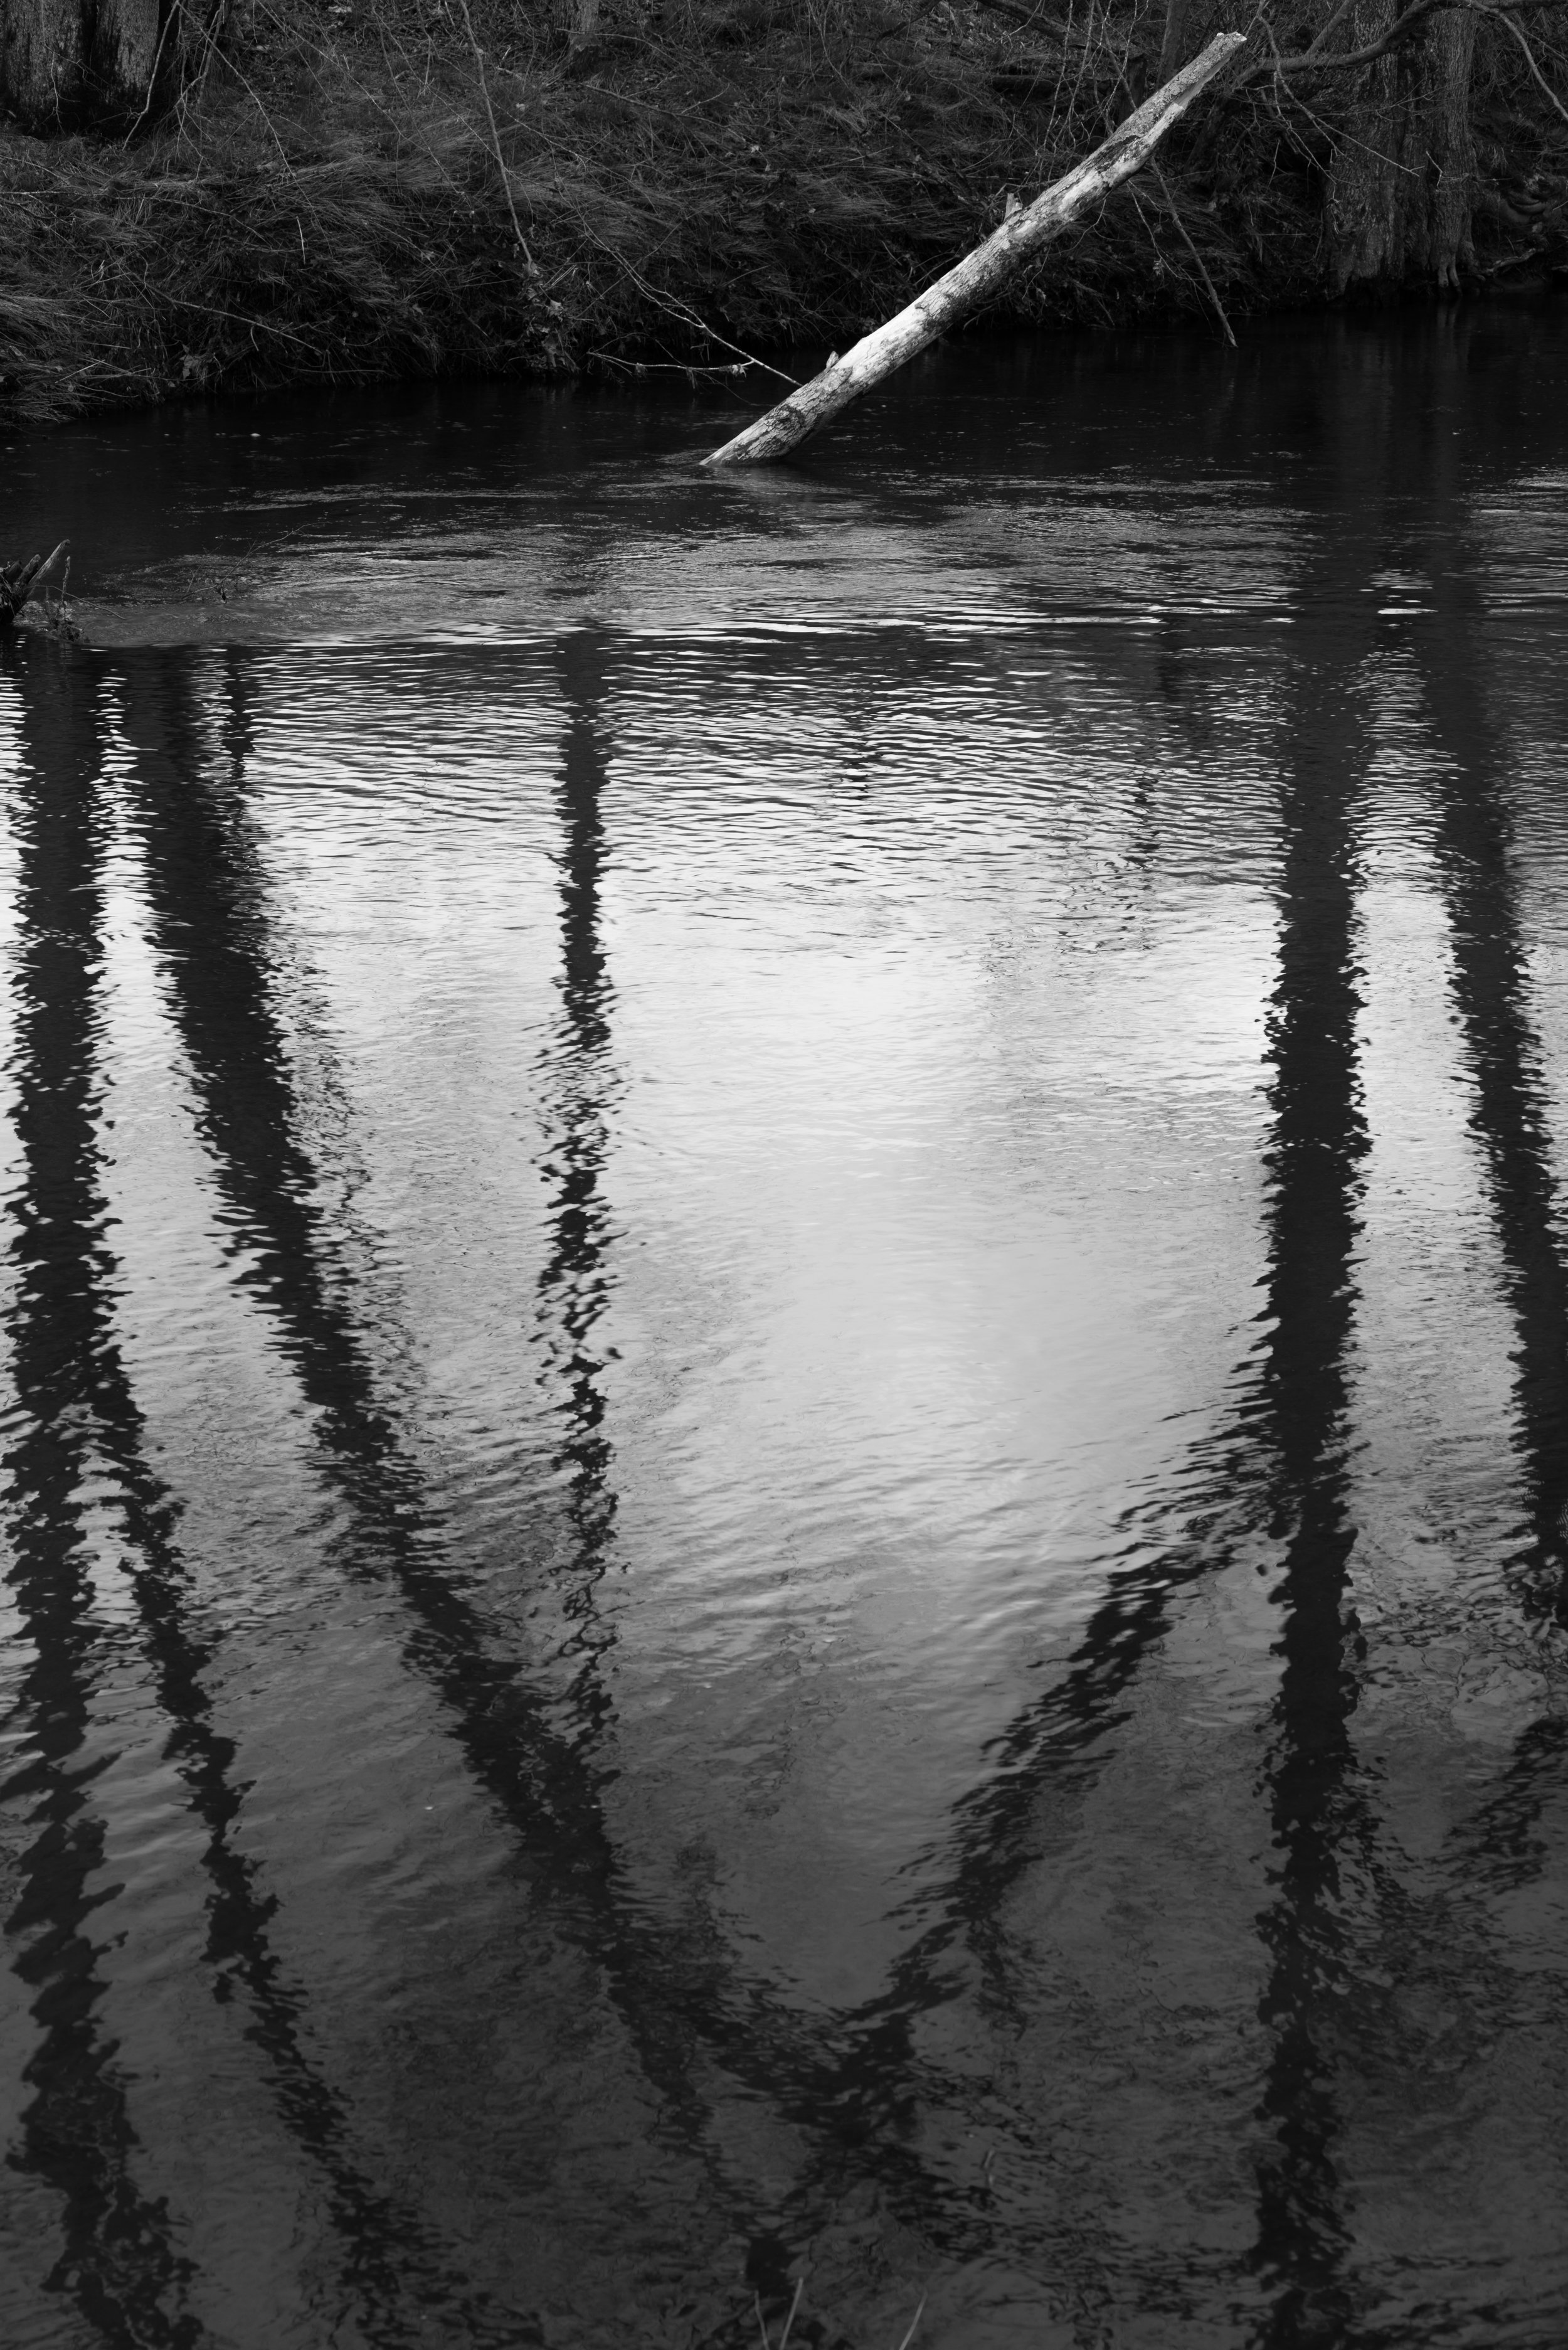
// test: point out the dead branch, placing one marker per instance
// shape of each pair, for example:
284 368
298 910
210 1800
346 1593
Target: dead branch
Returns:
1197 257
1316 59
981 274
1505 18
495 140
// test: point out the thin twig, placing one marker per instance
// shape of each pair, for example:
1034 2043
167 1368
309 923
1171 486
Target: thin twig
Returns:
377 105
1315 60
495 136
151 79
789 2321
671 367
1028 18
674 308
1197 257
238 318
271 127
1504 19
914 2321
1320 39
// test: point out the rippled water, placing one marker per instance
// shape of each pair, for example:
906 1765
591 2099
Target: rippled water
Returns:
785 1363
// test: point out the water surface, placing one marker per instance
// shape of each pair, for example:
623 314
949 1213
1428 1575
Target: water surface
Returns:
785 1363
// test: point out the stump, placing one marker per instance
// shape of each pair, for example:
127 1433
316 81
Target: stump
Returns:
19 581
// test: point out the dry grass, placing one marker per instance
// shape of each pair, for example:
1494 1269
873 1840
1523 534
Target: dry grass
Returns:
435 188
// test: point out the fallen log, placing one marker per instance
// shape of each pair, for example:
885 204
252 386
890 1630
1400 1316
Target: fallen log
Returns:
977 277
21 580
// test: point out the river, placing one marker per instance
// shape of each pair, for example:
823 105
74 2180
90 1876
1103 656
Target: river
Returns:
785 1362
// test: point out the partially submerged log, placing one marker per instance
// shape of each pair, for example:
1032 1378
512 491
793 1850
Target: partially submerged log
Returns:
977 277
22 580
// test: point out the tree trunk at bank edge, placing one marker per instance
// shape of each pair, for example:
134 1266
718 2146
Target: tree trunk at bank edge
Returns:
978 276
67 63
1402 180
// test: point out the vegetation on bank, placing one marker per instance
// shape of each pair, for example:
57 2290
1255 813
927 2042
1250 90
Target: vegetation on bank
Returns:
217 194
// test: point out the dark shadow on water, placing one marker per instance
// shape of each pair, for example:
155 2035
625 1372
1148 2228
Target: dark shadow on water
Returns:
679 1993
1283 1462
118 2260
578 1088
1511 1114
1314 1155
1277 1466
74 1388
1499 1847
1276 1471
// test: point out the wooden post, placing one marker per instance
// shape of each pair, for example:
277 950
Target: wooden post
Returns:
977 277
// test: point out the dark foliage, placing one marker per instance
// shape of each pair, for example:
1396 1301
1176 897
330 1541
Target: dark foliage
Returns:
409 187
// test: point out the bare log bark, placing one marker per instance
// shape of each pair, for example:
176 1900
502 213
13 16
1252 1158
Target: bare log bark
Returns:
1022 236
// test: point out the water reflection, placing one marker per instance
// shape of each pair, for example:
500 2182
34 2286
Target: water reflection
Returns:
808 1231
580 1083
1320 1827
210 920
534 1753
1275 1475
79 1428
1492 987
77 1392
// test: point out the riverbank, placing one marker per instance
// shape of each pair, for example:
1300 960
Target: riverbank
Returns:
381 202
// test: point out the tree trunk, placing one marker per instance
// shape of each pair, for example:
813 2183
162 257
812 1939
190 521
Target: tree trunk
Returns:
122 56
67 63
1451 39
42 61
1403 179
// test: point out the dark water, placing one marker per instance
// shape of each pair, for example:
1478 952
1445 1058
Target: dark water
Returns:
786 1364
